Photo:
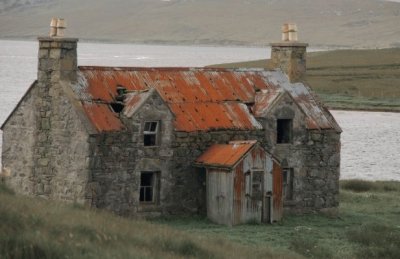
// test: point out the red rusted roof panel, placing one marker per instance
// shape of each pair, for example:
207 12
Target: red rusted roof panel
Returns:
264 101
201 98
102 117
225 155
207 116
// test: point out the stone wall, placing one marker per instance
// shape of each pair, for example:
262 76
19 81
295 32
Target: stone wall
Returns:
313 155
61 142
118 159
290 57
45 143
18 140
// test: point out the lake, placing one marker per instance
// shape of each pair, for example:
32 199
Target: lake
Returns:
370 140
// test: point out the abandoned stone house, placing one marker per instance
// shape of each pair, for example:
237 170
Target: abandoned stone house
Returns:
236 144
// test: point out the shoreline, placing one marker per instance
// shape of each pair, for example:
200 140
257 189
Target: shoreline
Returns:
322 47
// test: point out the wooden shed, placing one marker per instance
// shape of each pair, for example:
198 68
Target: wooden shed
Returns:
244 183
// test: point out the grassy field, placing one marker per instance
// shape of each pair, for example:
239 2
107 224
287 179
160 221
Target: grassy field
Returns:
368 226
36 228
351 79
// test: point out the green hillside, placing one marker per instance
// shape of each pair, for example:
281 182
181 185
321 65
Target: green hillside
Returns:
345 23
367 226
351 79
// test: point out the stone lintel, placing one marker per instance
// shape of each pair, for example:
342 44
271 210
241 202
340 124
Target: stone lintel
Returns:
289 44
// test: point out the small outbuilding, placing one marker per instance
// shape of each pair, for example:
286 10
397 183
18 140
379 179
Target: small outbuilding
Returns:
243 183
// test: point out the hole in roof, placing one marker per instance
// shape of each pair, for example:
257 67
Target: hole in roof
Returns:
117 107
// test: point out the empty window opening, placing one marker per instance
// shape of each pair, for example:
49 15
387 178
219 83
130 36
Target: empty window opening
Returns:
150 133
149 187
117 107
284 131
287 184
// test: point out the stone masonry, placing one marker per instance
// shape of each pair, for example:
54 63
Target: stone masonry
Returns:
51 150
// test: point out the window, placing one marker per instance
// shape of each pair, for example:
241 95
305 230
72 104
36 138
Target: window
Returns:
150 133
287 184
149 187
284 131
247 181
257 181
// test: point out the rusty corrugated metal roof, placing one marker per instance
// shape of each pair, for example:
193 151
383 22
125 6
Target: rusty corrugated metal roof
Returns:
264 100
201 98
102 117
225 155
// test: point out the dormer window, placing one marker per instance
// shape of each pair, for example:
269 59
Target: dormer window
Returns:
150 133
284 131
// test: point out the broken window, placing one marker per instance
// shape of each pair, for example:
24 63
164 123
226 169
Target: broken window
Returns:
287 184
284 131
149 187
150 133
257 181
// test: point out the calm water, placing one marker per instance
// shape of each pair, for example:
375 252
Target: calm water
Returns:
370 141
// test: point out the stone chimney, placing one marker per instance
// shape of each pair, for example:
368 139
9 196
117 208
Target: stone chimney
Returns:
57 55
57 64
289 55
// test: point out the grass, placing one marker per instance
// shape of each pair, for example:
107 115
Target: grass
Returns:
368 226
36 228
351 79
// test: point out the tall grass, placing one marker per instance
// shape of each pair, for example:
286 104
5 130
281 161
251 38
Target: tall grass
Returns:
376 240
368 226
35 228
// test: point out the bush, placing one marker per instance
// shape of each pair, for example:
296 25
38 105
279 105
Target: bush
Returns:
357 185
376 240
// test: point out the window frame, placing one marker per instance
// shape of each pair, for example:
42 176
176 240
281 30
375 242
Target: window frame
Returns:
248 183
288 183
155 188
154 133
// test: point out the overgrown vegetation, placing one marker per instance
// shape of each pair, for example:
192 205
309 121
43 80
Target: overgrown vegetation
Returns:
368 226
351 79
376 240
36 228
364 207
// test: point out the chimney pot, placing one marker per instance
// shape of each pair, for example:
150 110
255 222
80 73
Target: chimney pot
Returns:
289 32
53 27
61 25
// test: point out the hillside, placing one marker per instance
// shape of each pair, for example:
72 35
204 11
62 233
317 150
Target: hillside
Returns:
327 23
351 79
367 227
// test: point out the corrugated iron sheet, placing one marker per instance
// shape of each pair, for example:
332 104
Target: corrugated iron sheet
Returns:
200 98
277 192
264 100
208 116
225 155
102 117
133 102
